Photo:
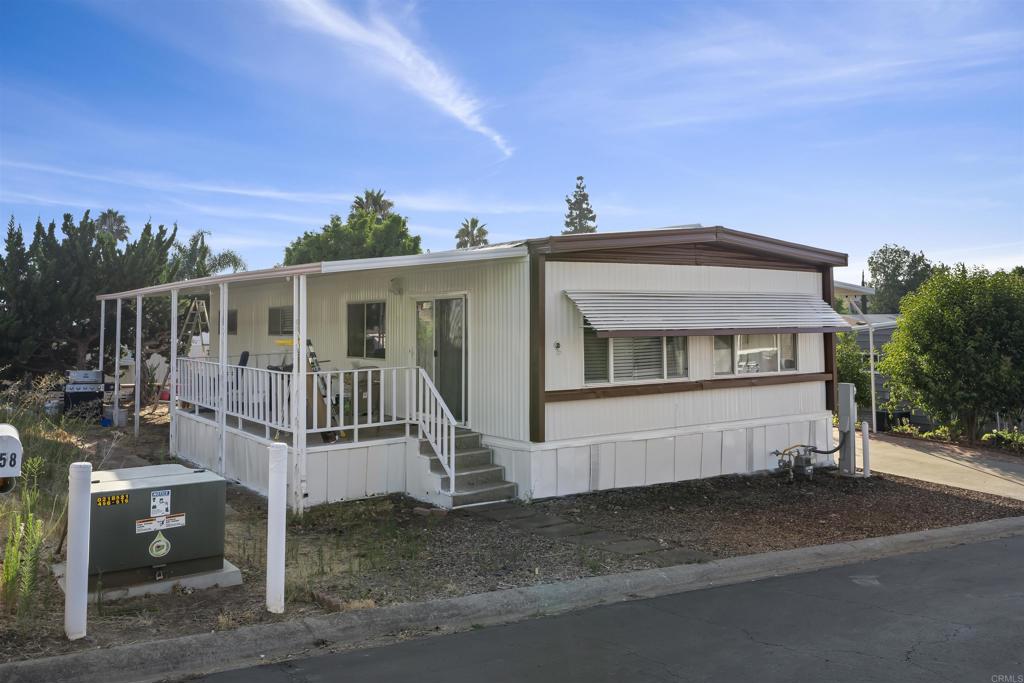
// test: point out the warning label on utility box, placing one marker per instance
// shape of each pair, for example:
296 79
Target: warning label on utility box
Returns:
160 503
143 526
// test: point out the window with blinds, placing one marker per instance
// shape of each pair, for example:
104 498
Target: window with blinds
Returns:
638 358
632 359
595 357
280 321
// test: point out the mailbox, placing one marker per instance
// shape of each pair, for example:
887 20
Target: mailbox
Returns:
10 457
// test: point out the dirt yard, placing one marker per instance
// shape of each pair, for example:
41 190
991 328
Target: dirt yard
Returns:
365 554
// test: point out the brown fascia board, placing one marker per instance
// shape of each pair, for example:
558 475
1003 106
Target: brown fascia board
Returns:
566 244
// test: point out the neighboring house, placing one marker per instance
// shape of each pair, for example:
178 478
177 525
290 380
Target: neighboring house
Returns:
532 369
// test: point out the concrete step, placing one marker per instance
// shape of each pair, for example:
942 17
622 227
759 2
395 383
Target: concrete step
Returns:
473 475
463 459
484 493
464 441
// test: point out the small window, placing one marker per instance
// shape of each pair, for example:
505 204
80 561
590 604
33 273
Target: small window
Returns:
632 359
233 321
787 352
756 353
676 364
723 355
638 358
366 330
280 321
595 356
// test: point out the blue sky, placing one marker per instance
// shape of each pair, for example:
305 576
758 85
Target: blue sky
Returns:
840 125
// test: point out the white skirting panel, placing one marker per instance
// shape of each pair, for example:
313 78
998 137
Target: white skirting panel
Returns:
625 460
333 473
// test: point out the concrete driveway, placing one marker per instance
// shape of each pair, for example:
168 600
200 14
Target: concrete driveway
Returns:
967 468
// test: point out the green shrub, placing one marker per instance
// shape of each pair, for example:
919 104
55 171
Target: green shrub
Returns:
904 427
1009 439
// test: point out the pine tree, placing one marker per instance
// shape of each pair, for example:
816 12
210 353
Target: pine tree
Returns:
580 217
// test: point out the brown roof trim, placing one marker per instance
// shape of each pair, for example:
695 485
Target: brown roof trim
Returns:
710 332
652 388
564 244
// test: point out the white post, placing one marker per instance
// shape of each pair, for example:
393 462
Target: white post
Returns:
222 360
103 330
277 506
865 449
76 571
297 389
871 362
138 360
116 412
172 403
300 441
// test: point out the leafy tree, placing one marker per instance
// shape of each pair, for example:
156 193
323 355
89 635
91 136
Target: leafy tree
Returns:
473 233
48 308
580 216
371 202
195 259
852 366
958 348
363 235
113 223
895 272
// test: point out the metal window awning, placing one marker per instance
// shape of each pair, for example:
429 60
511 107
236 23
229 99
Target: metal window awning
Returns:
635 314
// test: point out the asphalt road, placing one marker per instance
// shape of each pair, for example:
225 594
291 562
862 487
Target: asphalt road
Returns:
955 614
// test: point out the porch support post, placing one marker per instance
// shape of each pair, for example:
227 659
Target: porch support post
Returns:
222 372
827 293
138 361
103 329
538 335
300 329
116 408
172 373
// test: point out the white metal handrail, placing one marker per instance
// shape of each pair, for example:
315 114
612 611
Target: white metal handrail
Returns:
342 401
436 424
198 382
350 400
259 395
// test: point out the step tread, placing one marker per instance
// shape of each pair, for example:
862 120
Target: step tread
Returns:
481 488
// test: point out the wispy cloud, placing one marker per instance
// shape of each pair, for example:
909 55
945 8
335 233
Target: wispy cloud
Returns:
399 57
426 202
725 67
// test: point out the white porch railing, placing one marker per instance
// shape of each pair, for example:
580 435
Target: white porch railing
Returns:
436 423
340 401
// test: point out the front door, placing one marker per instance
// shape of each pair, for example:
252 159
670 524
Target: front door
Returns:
441 349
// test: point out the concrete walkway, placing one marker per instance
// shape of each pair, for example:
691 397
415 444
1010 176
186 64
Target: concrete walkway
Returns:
966 468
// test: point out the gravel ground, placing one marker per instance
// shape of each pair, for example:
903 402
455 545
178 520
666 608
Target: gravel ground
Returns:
370 553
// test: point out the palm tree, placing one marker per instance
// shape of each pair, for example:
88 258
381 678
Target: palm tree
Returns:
473 233
113 223
196 259
373 203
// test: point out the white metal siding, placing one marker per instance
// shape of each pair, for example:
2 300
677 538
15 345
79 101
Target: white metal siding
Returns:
564 365
610 416
498 328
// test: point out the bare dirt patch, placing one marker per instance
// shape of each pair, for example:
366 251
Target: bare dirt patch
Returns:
736 515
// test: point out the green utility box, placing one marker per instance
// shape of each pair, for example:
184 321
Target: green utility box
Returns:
154 523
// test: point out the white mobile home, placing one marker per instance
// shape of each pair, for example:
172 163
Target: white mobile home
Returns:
525 370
